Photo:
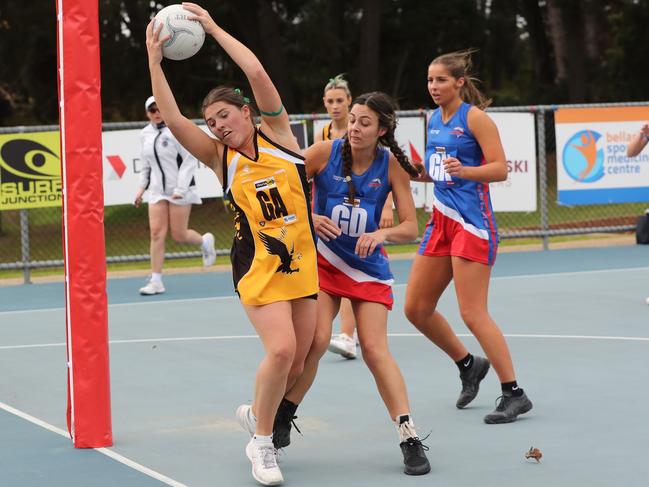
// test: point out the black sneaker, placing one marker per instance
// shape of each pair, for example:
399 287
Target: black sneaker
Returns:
471 381
283 420
414 458
508 409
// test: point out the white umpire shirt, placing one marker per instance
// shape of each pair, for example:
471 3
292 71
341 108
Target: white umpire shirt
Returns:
167 167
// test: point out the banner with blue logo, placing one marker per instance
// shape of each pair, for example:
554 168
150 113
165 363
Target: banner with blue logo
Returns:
592 165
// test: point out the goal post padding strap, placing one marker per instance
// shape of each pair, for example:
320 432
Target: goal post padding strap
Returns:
88 413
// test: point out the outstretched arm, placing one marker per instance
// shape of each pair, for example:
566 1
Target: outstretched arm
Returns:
197 142
273 114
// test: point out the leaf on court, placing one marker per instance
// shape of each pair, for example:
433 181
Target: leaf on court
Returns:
534 453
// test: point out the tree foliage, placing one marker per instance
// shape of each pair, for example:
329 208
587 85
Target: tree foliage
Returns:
529 51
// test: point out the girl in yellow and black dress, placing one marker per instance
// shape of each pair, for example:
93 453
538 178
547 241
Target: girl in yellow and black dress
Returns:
273 254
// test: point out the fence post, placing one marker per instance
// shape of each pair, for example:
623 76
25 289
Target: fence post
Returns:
543 175
24 244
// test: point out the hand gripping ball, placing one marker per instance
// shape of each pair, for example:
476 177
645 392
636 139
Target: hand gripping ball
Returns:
186 36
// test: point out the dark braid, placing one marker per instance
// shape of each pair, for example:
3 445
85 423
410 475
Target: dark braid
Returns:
347 169
385 108
389 141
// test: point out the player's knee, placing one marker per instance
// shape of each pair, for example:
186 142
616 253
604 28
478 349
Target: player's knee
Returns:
282 355
179 236
373 353
416 313
320 342
158 234
296 371
472 317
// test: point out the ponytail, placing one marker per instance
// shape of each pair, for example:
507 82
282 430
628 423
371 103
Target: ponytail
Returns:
459 65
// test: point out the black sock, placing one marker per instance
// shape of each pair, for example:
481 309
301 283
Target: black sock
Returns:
511 388
288 406
466 363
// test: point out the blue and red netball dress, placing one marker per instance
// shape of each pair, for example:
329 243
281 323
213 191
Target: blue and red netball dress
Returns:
341 271
462 223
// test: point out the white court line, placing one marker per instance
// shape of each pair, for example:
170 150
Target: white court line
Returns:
120 305
390 335
222 298
104 451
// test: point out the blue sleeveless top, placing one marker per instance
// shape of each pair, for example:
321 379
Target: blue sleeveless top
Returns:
469 199
358 217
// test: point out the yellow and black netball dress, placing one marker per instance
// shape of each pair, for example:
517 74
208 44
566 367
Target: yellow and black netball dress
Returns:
273 253
326 131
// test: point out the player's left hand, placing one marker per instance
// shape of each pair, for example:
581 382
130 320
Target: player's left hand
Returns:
367 243
201 15
453 167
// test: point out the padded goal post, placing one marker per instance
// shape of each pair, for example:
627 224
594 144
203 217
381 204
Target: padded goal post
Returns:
79 77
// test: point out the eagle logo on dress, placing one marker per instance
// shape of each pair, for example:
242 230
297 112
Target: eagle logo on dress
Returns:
276 246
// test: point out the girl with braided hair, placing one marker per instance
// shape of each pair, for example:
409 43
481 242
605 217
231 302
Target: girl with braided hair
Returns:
463 155
337 99
353 176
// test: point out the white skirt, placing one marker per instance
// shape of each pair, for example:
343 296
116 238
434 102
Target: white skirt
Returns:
190 198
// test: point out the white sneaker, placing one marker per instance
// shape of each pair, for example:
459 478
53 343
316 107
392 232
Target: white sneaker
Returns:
264 463
246 419
355 337
343 345
209 252
152 287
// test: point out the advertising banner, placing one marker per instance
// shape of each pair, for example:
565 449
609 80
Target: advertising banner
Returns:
592 166
518 136
30 170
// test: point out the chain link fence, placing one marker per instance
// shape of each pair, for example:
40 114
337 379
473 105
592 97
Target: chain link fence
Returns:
31 239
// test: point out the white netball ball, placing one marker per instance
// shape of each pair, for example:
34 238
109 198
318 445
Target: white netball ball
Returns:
186 36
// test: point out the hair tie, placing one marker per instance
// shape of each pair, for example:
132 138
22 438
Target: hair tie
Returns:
246 100
348 179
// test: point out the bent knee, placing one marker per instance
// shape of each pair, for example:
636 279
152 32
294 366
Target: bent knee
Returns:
474 318
282 356
179 236
416 313
320 343
296 370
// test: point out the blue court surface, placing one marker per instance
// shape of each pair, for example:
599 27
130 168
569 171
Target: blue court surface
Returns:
576 322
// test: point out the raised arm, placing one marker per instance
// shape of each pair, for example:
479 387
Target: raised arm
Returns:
639 142
197 142
273 115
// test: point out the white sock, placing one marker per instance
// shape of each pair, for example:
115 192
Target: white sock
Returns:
204 245
156 276
262 439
